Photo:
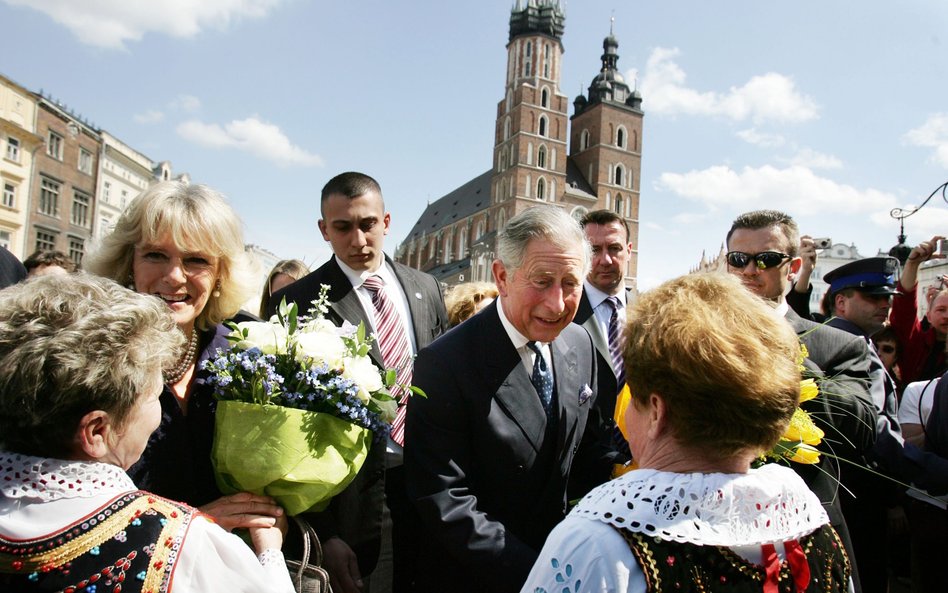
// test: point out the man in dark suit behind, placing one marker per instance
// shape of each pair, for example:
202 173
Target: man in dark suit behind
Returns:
490 449
605 297
11 270
762 251
352 529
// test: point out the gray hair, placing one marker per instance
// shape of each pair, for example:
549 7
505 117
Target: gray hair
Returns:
197 218
73 344
548 223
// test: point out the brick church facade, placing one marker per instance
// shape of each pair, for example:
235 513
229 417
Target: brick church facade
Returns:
542 156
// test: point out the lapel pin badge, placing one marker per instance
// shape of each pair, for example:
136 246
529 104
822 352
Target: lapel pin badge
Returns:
584 394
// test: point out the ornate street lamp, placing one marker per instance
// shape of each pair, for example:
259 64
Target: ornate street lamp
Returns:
902 250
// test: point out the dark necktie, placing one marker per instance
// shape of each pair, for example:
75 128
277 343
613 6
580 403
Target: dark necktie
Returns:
542 379
615 342
395 348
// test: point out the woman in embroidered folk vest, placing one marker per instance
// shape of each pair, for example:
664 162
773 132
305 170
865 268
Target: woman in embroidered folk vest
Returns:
81 362
715 381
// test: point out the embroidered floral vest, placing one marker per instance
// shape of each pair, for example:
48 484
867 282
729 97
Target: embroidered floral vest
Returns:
685 567
130 545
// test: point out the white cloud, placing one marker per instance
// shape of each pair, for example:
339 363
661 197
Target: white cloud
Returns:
765 97
252 135
149 117
111 23
186 103
762 139
932 134
811 159
794 189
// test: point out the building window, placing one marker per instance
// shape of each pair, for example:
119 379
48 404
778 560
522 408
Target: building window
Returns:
584 140
80 209
506 128
620 137
49 197
76 250
85 161
545 98
9 195
462 244
480 230
54 146
618 175
432 247
546 61
124 198
526 62
13 149
618 205
6 238
541 189
542 128
106 189
541 157
45 241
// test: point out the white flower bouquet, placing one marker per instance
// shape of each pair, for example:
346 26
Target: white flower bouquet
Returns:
299 402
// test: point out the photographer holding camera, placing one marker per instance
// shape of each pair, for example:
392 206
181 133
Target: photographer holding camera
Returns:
799 296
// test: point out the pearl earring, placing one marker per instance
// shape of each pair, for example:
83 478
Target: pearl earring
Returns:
217 290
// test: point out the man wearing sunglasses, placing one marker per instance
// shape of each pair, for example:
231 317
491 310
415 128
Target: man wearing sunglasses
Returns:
762 251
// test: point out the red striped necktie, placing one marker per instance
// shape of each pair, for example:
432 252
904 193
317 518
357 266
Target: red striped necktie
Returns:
395 348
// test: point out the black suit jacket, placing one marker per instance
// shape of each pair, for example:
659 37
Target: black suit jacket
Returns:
355 515
599 441
485 471
11 270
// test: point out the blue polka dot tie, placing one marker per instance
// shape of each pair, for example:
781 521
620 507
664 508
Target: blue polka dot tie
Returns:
542 380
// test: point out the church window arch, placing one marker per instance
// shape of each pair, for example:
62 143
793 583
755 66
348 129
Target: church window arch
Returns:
432 247
542 128
507 128
448 243
529 153
462 243
584 140
621 137
619 204
545 98
541 157
509 100
541 189
480 229
501 219
546 60
619 175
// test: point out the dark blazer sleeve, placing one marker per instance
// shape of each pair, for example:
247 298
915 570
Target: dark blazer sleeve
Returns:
844 410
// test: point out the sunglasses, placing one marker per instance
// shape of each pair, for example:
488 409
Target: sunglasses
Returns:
764 260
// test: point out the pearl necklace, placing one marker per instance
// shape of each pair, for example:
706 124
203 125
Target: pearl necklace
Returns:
185 362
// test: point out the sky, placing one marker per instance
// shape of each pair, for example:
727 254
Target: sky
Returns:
835 112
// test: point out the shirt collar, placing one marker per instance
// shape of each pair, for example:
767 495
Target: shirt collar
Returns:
596 296
518 340
357 278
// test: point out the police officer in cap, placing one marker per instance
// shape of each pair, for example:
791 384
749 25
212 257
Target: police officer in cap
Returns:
862 294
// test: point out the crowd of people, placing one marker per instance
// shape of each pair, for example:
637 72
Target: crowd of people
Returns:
506 476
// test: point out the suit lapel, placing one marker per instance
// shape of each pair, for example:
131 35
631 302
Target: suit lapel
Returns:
516 393
566 376
345 303
591 323
417 306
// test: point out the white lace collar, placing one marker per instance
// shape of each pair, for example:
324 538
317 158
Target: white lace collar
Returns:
768 504
24 476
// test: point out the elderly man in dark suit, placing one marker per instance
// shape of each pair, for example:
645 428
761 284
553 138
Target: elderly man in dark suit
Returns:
762 251
405 310
602 312
490 450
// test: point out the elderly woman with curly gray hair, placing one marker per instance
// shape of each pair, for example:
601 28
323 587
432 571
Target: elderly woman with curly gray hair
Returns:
81 363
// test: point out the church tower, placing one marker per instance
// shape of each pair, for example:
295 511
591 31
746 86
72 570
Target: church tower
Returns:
530 133
606 143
